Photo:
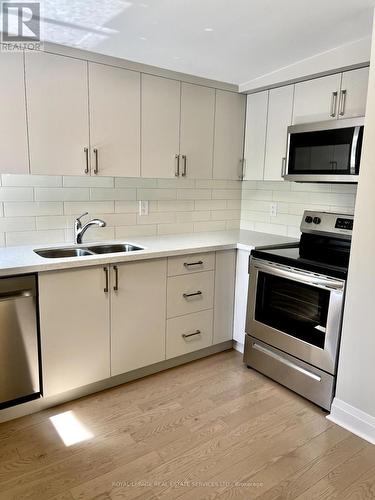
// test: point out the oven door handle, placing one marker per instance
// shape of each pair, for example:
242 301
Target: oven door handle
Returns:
286 362
300 276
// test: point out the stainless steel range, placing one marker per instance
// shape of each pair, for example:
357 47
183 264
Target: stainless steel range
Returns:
295 307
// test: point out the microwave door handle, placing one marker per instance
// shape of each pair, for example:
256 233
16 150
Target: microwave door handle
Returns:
283 167
353 152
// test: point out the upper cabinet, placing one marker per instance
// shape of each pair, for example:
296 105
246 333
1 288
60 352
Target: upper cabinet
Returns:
115 121
160 126
229 135
13 130
58 115
280 109
316 100
197 131
332 97
255 135
353 93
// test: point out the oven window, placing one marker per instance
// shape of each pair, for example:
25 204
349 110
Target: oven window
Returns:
323 152
294 308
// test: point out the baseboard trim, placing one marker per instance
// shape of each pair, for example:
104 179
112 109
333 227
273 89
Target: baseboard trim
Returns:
352 419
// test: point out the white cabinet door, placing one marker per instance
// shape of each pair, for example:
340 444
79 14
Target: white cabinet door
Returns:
74 324
138 319
241 291
160 126
224 295
280 109
57 103
197 131
353 95
229 135
255 135
13 131
115 109
317 100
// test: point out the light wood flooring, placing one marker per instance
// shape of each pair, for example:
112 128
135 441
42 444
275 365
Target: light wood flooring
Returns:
208 429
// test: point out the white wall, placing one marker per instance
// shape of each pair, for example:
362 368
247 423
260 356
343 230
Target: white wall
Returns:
350 54
354 405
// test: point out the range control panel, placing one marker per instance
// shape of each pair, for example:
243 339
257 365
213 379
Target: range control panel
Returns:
342 223
328 224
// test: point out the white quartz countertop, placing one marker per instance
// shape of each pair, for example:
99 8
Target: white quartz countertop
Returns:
23 259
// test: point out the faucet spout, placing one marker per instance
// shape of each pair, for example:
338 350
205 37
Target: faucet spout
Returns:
80 230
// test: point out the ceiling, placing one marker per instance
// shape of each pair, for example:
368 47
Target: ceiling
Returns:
229 40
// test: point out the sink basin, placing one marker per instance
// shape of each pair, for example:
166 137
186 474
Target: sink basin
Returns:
116 247
60 253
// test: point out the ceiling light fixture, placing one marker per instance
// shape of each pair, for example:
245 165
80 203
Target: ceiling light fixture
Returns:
208 29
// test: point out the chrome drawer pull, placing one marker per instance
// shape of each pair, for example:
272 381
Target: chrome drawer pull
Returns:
199 263
187 295
87 169
115 287
187 335
177 169
106 271
333 104
96 169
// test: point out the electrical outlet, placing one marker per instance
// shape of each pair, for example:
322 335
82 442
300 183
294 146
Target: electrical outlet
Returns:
273 209
143 207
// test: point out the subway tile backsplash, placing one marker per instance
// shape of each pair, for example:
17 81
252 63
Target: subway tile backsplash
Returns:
291 200
38 209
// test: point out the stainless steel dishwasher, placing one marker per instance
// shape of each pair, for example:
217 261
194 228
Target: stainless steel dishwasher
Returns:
19 341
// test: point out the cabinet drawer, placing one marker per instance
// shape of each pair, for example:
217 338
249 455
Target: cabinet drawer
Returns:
189 333
189 264
188 294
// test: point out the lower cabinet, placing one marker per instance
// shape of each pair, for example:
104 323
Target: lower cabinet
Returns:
189 333
138 312
102 321
74 325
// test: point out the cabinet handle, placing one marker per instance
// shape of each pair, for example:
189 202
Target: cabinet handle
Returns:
283 167
106 288
333 104
187 295
96 169
241 167
86 150
342 104
199 263
115 287
177 168
187 335
184 166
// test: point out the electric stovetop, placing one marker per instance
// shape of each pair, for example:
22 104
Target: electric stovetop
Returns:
330 265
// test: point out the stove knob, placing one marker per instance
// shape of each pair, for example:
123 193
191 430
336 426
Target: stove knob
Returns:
308 219
317 220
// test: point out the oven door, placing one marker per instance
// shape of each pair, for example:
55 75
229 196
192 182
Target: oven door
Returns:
296 311
324 152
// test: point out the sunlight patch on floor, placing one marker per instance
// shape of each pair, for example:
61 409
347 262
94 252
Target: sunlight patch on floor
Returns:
70 429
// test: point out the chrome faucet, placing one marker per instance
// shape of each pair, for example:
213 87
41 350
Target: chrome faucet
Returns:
80 230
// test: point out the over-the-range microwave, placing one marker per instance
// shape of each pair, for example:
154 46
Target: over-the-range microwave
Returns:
324 151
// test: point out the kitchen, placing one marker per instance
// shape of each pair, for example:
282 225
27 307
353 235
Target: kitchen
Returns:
186 252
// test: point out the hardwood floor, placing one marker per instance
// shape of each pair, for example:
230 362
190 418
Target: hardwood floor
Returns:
208 429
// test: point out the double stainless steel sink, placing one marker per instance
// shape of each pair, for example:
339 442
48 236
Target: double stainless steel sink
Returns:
63 252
